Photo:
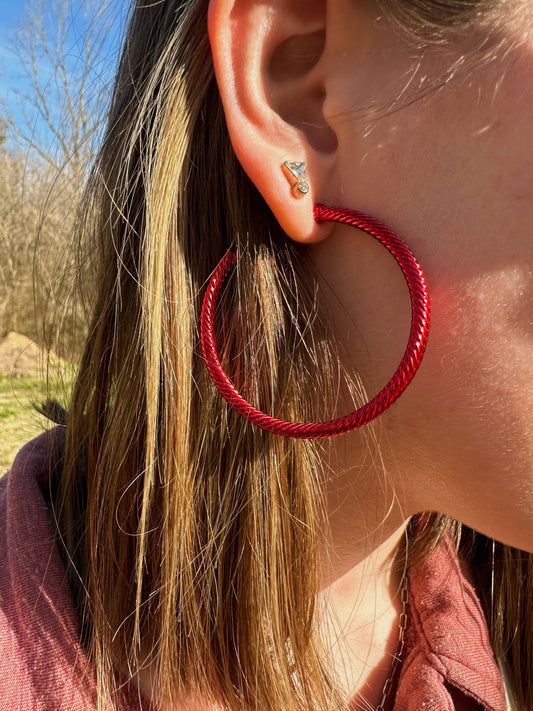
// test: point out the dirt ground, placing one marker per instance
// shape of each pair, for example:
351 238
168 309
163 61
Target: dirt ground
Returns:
19 356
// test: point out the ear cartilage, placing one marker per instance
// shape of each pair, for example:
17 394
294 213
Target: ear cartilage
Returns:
295 174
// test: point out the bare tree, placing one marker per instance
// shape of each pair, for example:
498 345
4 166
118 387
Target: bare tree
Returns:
28 234
64 50
15 277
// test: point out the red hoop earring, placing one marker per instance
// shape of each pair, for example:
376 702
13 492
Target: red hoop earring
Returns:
420 317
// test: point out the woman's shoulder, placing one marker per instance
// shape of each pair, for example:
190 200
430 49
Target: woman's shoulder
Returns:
449 661
41 663
32 463
24 521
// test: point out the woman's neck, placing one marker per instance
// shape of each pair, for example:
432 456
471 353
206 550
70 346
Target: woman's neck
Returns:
359 622
360 601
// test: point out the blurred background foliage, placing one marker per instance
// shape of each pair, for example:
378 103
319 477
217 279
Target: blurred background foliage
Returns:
60 59
57 60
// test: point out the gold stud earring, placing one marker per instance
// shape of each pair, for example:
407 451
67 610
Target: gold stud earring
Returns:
295 174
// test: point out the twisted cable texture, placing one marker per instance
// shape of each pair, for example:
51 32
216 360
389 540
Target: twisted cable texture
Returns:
420 320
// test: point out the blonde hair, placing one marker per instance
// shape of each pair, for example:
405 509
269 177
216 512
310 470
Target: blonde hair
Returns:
191 537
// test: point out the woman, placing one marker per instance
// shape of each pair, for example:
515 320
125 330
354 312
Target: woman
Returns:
215 565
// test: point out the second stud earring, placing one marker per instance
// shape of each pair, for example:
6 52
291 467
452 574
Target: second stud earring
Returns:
295 174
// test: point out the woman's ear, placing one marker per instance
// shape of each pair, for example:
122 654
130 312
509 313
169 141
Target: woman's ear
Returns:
267 59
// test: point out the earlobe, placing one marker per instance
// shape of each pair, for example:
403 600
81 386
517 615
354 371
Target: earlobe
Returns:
266 58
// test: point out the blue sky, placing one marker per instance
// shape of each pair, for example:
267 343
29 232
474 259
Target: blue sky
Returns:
9 11
12 14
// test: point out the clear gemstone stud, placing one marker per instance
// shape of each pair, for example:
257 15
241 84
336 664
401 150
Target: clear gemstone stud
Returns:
295 171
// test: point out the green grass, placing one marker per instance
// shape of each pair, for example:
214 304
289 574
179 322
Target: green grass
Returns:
19 420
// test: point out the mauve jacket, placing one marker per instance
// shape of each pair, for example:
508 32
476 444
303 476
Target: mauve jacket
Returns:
43 667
